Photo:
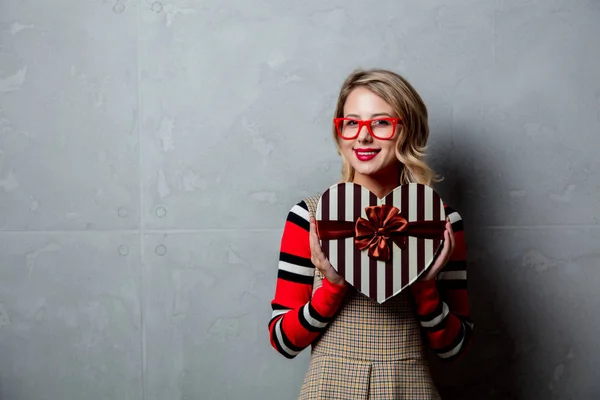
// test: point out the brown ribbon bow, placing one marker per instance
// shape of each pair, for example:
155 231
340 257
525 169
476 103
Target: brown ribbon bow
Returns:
383 223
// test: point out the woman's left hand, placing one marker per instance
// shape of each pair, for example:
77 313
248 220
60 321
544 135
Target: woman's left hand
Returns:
444 255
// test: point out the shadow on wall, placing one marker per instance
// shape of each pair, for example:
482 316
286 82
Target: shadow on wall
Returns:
485 371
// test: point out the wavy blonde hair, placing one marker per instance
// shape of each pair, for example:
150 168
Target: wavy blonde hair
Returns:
414 128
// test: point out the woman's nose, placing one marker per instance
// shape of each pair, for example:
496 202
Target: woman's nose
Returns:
364 135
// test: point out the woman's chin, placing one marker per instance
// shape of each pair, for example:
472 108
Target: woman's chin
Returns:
363 170
375 171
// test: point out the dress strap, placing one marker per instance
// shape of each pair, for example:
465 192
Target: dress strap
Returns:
312 203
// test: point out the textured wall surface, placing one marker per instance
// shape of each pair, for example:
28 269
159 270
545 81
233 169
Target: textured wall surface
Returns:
150 151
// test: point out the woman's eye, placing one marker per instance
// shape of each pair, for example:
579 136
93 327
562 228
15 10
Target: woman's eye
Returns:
351 122
382 122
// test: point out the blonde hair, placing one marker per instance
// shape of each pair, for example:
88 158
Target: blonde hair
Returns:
414 128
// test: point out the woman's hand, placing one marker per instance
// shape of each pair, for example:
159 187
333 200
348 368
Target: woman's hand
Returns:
444 255
318 257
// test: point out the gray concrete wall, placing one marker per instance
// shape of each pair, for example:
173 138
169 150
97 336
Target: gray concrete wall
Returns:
150 150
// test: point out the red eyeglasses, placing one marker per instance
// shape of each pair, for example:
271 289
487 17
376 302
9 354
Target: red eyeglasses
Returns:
379 128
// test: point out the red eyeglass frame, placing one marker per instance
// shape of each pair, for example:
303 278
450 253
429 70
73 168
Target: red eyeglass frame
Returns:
367 123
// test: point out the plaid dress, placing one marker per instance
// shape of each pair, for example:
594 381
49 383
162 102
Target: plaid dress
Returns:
369 351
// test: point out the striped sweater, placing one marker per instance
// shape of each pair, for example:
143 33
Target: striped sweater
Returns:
299 316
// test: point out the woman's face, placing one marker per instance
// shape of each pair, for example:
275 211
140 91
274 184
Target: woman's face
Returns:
366 154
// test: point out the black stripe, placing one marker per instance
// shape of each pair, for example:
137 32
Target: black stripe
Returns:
341 247
278 345
452 284
437 217
460 265
286 341
458 226
290 276
297 260
307 324
298 220
303 205
467 338
372 261
357 252
315 314
449 210
455 341
434 314
275 318
326 205
420 217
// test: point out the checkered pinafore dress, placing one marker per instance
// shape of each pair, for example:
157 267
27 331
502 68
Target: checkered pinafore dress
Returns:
368 351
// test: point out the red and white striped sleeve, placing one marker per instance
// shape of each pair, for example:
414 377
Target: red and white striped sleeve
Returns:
443 304
299 316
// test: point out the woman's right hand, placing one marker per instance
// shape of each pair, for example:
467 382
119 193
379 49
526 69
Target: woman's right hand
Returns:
318 257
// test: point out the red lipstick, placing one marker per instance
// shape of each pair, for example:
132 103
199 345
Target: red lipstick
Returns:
366 154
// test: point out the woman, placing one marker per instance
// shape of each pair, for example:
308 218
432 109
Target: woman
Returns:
361 349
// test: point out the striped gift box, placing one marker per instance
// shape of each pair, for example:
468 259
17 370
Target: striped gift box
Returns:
376 277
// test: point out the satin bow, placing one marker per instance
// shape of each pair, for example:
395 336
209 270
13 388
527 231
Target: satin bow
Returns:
382 224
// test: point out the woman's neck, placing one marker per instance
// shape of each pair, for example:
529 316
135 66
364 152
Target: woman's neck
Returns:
381 184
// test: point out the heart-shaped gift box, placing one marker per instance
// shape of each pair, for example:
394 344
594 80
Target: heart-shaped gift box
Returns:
380 246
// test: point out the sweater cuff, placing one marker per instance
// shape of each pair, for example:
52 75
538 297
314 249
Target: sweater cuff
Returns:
426 296
328 297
